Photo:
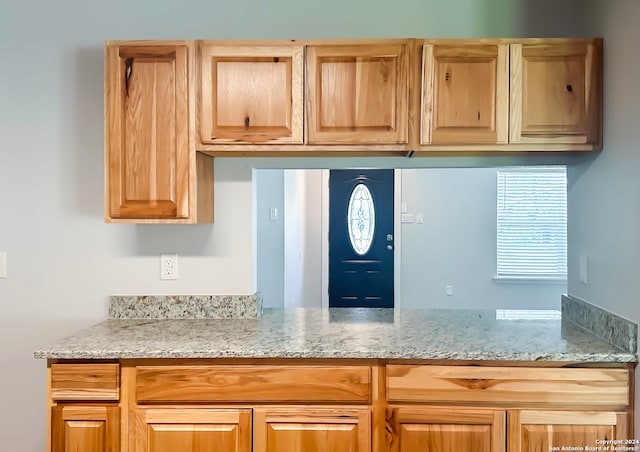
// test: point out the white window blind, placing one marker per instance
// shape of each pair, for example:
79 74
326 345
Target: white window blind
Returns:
532 223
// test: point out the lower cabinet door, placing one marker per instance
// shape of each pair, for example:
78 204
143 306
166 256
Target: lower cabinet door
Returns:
85 428
412 429
532 430
192 430
308 429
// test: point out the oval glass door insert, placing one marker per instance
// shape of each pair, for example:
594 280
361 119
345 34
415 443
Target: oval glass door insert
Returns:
361 219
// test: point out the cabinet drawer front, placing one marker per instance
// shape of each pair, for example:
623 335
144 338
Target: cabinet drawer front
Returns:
349 384
85 381
509 385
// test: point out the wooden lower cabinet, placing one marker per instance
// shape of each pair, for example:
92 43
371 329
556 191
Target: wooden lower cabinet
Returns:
349 406
456 429
192 430
445 429
533 430
304 429
85 428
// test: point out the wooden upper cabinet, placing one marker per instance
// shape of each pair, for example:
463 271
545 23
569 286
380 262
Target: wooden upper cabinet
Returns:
149 166
357 94
465 92
556 92
251 93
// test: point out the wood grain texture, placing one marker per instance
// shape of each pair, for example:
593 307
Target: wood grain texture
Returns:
148 158
127 406
465 94
302 429
204 188
556 91
254 383
358 93
85 428
509 386
85 381
546 430
251 94
445 429
192 430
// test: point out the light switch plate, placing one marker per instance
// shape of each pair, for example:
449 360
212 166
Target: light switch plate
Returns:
3 264
406 218
584 269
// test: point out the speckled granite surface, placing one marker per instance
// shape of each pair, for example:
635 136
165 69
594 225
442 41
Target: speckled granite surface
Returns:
614 329
185 306
342 333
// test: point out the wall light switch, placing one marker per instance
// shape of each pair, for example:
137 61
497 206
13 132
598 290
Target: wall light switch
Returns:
584 270
403 207
449 290
406 218
419 218
273 213
3 264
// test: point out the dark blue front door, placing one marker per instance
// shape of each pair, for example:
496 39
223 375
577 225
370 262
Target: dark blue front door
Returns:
361 238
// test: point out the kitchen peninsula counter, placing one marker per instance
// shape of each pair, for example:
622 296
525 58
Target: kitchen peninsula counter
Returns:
460 335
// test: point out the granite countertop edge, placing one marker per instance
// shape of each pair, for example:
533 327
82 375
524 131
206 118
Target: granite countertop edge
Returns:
621 357
456 335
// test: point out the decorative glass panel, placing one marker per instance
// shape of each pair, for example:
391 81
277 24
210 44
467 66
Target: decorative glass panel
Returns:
361 218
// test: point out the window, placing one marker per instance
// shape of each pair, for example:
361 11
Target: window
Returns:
361 219
532 223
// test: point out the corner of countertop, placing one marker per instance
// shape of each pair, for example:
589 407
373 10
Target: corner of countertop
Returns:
612 328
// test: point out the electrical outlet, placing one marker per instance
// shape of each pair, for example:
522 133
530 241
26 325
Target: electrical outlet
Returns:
168 266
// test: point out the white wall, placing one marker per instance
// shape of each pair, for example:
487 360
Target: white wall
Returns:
63 260
456 245
604 193
269 185
302 247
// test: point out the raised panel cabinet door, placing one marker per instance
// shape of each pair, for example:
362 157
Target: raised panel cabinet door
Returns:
192 430
307 429
465 94
445 429
358 94
148 152
556 92
85 428
251 93
532 430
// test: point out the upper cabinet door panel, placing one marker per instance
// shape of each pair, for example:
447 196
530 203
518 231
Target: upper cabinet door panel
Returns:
357 94
555 92
465 94
251 94
147 135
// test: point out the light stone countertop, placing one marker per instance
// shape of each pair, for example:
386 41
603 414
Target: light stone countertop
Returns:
341 333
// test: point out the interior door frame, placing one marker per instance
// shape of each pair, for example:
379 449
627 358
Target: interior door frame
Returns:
397 239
